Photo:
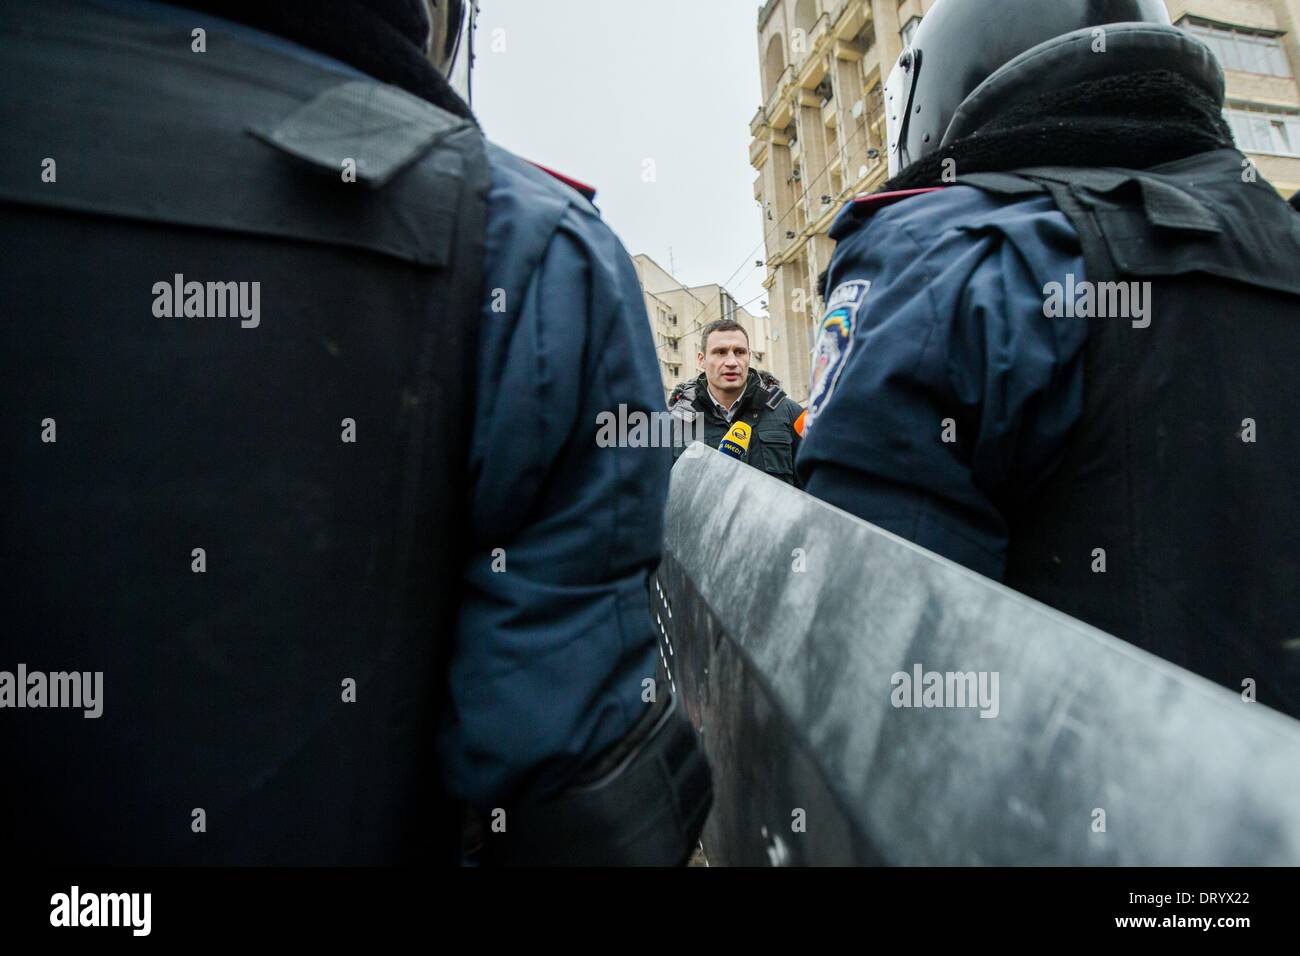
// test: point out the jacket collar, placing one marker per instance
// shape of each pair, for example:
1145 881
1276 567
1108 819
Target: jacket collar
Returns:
381 38
705 401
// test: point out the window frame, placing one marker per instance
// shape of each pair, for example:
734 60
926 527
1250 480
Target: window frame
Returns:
1257 123
1242 49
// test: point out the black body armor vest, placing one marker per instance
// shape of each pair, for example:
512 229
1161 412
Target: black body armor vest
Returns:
1174 519
242 293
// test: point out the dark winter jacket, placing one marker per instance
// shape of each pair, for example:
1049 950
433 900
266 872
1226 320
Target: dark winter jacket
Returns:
764 405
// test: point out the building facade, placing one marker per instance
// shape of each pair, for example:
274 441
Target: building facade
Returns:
1258 44
819 136
678 314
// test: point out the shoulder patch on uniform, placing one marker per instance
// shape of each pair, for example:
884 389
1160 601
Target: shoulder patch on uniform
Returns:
589 192
835 337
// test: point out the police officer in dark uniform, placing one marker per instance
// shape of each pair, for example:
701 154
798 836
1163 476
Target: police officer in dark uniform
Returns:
729 396
1062 340
288 464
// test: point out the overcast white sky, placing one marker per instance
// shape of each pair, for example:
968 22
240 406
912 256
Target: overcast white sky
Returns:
594 88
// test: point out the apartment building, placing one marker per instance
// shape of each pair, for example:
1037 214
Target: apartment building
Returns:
819 136
1259 46
678 314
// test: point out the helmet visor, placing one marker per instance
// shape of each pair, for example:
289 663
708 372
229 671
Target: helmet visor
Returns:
460 52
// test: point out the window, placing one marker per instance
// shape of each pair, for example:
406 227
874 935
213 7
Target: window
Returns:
1265 131
728 307
675 371
673 343
672 320
1281 138
1242 50
773 65
909 31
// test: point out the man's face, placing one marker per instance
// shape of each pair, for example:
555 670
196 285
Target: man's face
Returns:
725 361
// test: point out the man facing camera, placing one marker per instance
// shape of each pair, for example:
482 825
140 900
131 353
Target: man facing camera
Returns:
746 413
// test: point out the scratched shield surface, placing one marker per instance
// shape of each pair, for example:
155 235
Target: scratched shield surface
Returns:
783 624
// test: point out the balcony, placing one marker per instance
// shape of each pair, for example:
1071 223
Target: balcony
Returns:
813 37
781 115
830 118
778 93
847 51
834 8
812 67
812 72
856 15
821 29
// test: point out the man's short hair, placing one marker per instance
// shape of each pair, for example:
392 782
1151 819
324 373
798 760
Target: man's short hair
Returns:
721 325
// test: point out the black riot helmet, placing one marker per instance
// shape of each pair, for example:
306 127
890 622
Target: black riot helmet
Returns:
972 59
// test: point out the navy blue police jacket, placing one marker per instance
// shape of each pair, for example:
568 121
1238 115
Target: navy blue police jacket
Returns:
940 388
550 655
554 635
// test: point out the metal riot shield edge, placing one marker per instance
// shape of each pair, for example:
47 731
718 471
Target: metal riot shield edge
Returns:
785 626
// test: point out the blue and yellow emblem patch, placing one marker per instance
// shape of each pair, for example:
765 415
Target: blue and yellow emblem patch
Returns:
834 342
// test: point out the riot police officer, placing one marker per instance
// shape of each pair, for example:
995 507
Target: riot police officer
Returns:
342 567
1063 336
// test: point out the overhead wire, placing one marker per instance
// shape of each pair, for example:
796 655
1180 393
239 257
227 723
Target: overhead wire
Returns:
863 128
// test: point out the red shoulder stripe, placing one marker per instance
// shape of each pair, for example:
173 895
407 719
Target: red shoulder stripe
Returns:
880 200
588 191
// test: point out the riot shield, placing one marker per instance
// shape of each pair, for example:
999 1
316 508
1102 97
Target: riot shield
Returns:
863 701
